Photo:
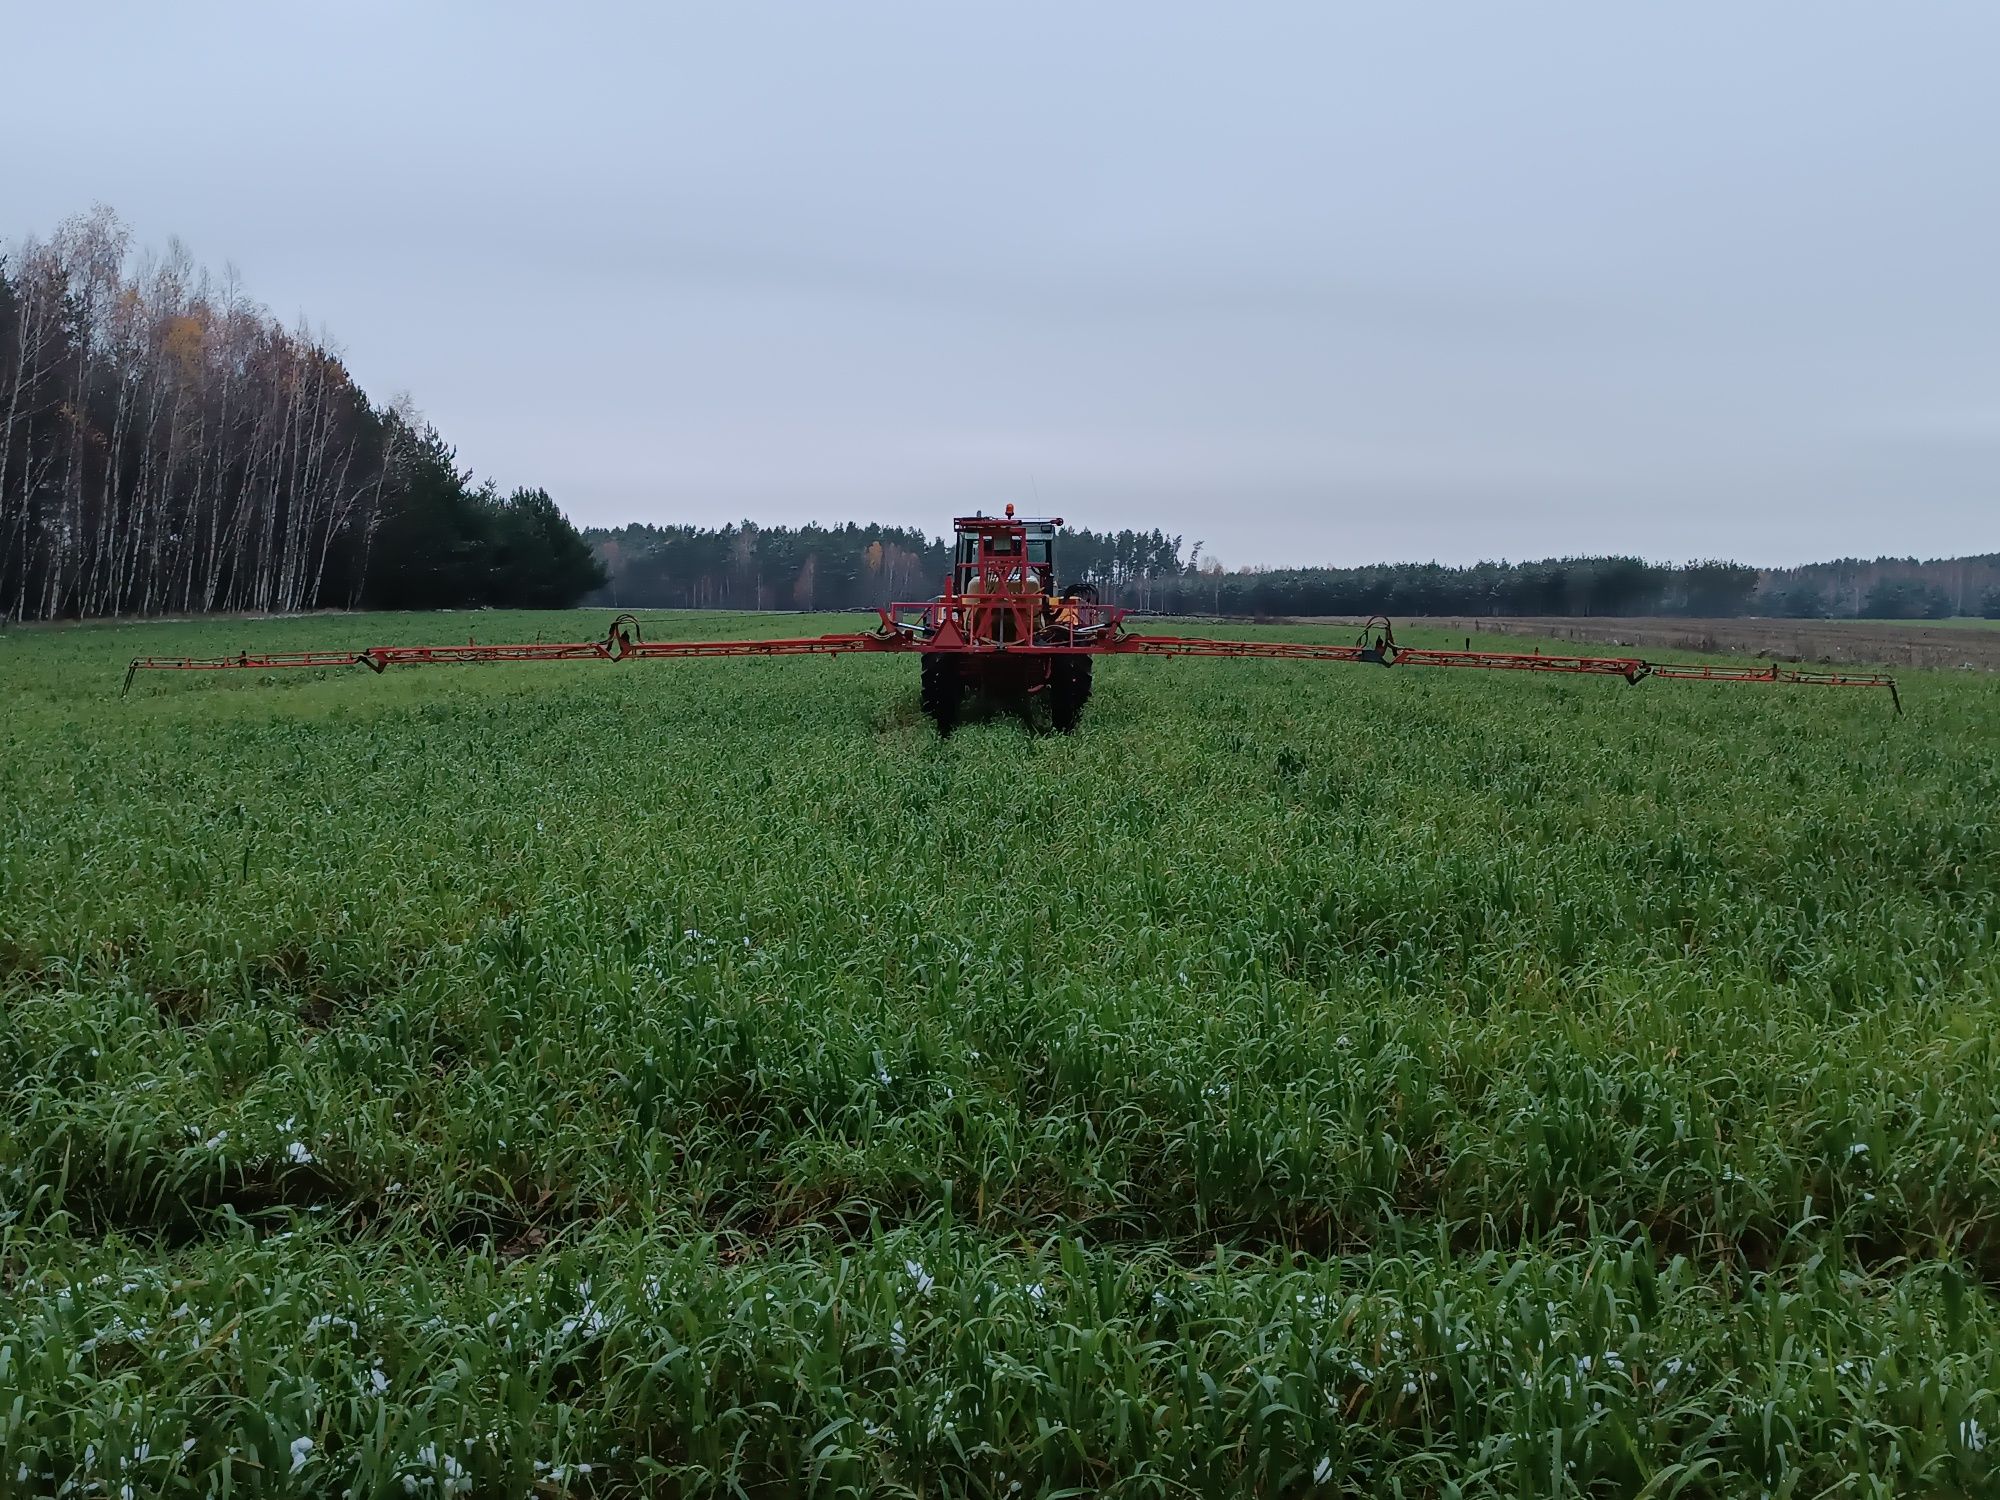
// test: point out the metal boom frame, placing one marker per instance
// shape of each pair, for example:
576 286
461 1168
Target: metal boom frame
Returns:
940 627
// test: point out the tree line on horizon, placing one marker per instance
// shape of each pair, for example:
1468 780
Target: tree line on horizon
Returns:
169 447
852 566
747 566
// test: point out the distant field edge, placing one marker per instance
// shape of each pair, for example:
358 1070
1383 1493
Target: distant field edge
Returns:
1871 642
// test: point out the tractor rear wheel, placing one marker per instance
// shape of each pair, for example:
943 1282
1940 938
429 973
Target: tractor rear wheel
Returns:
943 691
1069 690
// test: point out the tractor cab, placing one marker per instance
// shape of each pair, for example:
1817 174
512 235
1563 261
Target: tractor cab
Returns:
999 554
1003 577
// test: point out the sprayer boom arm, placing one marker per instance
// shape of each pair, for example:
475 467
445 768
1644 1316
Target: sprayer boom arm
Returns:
1386 653
950 627
620 642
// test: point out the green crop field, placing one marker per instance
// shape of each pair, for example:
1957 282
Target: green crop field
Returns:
698 1077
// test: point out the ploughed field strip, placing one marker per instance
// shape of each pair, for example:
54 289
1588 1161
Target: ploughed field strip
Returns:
544 1080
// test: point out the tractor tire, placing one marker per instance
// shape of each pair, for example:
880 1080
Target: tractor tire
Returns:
1069 690
943 691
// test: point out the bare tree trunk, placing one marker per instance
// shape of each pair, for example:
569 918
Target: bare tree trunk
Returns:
35 306
164 443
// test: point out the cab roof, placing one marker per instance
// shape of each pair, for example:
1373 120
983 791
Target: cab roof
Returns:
1004 523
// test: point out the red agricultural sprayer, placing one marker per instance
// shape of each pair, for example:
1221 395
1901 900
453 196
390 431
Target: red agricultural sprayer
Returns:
1002 628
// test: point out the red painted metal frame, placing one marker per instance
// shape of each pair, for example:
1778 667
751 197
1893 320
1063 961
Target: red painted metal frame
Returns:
1632 668
617 646
1012 614
943 626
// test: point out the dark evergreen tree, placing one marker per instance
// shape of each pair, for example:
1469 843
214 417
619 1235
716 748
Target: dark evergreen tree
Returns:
1798 601
432 549
538 561
1906 599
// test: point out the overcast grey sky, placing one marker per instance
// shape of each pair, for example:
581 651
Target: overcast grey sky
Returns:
1310 283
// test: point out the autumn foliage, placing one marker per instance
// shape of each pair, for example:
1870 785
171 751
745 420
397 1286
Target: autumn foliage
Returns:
167 446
